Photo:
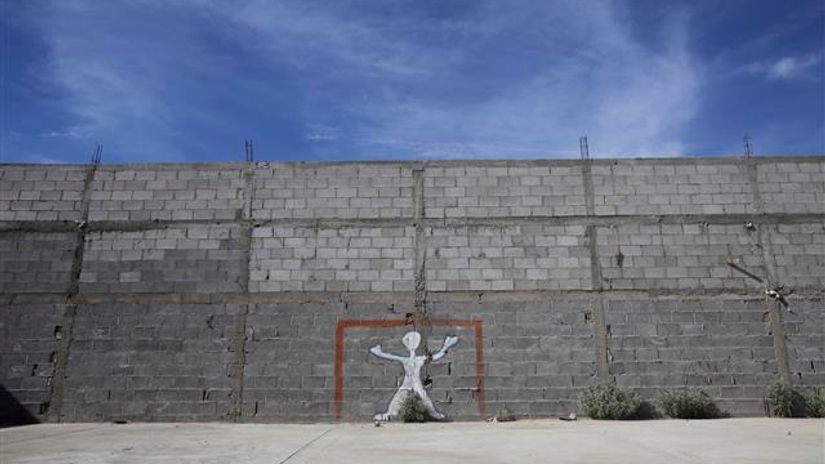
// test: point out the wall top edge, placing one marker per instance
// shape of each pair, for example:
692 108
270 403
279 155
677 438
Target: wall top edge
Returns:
423 164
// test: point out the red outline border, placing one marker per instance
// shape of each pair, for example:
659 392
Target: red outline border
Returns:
345 324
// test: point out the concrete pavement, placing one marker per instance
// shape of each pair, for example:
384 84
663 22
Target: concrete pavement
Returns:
751 440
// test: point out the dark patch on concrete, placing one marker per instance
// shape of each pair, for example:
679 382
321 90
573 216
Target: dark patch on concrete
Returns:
12 413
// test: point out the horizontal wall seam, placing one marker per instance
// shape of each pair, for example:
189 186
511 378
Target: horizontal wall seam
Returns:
134 226
400 297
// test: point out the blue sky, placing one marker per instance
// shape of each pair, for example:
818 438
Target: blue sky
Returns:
189 80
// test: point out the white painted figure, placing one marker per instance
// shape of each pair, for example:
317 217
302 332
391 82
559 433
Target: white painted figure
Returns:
412 374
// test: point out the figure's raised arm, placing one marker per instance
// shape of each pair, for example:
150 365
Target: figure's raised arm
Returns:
377 352
449 342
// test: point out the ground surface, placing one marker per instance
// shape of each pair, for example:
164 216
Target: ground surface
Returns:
664 441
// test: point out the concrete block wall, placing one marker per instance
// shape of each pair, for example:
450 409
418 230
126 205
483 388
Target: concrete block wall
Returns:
203 193
538 356
196 258
502 190
36 262
723 347
290 372
42 194
221 292
28 342
800 252
806 342
507 257
675 256
162 362
346 191
661 189
792 187
298 259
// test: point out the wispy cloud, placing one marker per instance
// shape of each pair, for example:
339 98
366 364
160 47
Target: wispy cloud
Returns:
40 158
788 67
486 79
322 132
117 74
312 35
553 72
70 133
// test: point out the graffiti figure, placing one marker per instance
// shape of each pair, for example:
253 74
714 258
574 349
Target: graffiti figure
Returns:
412 374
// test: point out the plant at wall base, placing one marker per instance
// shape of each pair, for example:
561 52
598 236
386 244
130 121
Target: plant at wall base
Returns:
688 404
785 401
815 403
413 410
608 401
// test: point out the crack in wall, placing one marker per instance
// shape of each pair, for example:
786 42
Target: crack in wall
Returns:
420 242
239 334
600 332
763 244
54 409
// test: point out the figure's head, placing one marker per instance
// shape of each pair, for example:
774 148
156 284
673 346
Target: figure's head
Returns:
411 340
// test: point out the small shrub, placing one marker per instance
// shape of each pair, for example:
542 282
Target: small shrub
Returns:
688 404
607 401
815 403
785 401
413 410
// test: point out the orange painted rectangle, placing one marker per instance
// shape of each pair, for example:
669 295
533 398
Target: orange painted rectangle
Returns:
343 325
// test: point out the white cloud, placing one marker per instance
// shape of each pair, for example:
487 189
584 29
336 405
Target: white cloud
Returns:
591 77
70 133
381 83
40 158
322 132
117 76
788 67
